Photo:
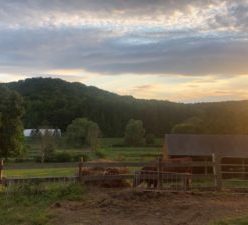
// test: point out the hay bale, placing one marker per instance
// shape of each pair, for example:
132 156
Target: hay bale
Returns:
105 172
119 183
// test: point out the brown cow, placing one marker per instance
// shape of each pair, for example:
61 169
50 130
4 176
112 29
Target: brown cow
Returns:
149 176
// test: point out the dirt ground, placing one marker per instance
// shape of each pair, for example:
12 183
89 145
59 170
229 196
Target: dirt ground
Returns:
126 207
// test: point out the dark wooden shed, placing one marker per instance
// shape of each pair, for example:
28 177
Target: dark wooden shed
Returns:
235 146
230 148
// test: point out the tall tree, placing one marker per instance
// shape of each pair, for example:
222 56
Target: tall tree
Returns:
47 144
134 134
83 132
11 129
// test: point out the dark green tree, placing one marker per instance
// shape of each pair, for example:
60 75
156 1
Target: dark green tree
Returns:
150 139
134 133
184 128
11 129
47 144
192 125
83 132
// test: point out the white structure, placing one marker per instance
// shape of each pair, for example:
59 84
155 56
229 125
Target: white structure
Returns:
31 132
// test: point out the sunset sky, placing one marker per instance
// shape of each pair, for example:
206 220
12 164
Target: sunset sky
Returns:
178 50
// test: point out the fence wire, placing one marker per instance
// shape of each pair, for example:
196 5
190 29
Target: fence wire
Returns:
169 181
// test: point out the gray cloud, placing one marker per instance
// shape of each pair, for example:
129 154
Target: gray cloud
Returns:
30 40
235 16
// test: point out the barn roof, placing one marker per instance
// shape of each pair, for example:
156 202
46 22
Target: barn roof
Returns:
205 145
28 132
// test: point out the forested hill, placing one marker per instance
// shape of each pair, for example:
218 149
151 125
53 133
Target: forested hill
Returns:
56 103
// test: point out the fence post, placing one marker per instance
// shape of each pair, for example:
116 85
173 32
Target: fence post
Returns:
243 169
1 170
205 167
80 167
160 178
217 171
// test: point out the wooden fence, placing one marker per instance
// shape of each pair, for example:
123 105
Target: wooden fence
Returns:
213 170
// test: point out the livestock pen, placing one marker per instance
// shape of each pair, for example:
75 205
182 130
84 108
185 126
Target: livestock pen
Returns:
161 174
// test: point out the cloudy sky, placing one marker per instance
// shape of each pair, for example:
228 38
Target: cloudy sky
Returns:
179 50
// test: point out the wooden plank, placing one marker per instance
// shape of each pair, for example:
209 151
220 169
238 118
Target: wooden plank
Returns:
234 165
142 164
103 165
80 167
233 172
116 164
163 176
160 168
188 164
107 177
217 171
203 176
205 167
40 179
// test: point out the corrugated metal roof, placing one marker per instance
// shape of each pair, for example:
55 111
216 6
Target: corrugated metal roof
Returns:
28 132
205 145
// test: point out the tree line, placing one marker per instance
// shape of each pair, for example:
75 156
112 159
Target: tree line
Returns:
54 103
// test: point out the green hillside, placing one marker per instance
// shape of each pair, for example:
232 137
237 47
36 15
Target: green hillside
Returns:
56 102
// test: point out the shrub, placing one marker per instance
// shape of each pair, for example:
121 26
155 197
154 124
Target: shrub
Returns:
150 139
134 133
62 157
100 153
77 157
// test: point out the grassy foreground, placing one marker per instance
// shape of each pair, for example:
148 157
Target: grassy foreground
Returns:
30 204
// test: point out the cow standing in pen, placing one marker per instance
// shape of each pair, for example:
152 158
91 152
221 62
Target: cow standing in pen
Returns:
149 175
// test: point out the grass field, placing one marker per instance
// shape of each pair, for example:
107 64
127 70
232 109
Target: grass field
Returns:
108 150
130 154
41 172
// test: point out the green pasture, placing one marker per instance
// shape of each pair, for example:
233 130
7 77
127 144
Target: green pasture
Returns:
110 149
44 172
130 153
115 142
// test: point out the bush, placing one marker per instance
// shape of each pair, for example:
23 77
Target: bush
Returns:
77 157
63 157
150 139
100 153
184 128
134 133
56 157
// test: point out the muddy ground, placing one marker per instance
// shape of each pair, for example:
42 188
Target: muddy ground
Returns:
126 207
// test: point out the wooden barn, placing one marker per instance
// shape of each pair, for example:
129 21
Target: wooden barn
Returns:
232 149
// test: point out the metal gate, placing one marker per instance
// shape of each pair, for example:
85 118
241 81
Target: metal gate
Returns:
169 181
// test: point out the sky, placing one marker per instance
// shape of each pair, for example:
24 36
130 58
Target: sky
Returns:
177 50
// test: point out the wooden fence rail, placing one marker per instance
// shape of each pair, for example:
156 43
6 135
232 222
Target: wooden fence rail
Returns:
49 179
216 173
142 164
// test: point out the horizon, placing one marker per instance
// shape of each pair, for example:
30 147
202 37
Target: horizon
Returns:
188 52
149 99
